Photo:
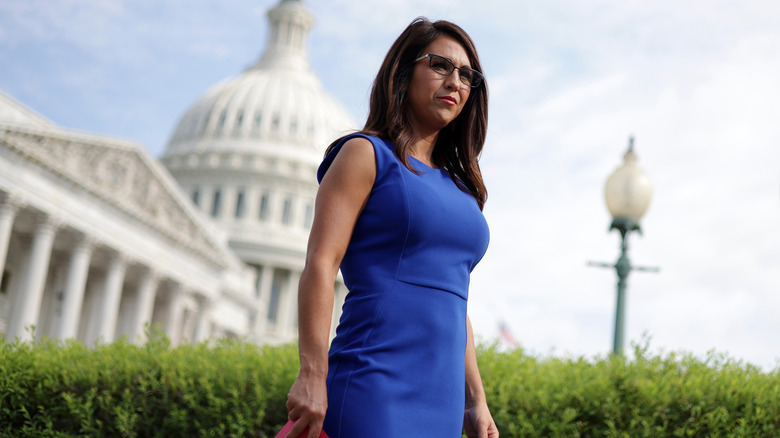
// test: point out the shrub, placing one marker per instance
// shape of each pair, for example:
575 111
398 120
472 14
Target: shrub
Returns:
226 388
237 389
673 396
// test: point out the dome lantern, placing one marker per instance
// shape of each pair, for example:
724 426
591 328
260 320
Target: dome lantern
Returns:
290 23
276 108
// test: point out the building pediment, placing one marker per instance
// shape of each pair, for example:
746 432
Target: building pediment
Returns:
14 113
122 174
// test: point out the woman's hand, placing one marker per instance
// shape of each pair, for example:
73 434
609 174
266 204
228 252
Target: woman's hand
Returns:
342 195
307 403
478 423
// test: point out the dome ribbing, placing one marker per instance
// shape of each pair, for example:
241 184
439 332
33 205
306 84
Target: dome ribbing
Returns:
277 103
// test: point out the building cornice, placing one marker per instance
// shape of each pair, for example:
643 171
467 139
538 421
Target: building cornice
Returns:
122 174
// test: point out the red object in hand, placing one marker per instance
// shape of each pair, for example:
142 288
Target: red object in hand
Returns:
287 427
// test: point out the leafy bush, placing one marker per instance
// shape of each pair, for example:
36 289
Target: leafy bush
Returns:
673 396
237 389
228 388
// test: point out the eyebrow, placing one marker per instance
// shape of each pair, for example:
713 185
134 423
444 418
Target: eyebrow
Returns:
468 66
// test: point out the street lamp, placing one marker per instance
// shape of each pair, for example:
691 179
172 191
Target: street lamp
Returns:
627 192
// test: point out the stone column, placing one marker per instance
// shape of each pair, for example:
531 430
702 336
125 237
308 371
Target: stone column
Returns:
338 299
251 203
144 306
264 296
174 314
109 302
74 288
8 208
27 304
203 324
298 212
228 213
288 306
275 204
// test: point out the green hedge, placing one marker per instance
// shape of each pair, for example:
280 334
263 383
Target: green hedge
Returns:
233 388
228 388
672 396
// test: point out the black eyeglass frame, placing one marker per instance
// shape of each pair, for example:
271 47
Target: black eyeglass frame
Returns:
477 77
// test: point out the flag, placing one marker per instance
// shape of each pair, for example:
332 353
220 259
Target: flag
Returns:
506 335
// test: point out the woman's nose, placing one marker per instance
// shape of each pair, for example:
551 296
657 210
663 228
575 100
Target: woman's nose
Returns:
452 82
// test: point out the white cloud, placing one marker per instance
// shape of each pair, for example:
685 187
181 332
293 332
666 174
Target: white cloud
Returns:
706 135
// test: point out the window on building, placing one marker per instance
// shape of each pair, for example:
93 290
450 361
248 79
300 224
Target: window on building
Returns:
287 211
258 119
196 196
240 204
239 119
216 204
222 118
263 211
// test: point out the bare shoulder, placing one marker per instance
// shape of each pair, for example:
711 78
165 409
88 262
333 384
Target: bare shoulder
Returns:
355 158
357 148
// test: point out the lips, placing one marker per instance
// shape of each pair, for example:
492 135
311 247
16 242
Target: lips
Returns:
449 100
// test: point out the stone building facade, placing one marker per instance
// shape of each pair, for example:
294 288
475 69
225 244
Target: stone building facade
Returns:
99 239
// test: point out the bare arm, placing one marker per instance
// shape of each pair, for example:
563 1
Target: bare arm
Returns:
342 195
477 421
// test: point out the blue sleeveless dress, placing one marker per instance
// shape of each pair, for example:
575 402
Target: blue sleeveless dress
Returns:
396 365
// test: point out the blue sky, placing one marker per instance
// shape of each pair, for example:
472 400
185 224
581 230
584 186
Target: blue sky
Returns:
694 81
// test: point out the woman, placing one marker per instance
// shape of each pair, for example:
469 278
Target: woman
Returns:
399 210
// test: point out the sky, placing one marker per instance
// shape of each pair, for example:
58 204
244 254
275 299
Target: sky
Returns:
694 81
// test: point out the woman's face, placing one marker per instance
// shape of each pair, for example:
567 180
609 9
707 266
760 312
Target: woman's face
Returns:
434 100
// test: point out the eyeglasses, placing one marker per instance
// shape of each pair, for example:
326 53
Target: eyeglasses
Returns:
445 67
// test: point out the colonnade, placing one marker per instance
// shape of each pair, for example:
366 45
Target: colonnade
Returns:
62 283
276 320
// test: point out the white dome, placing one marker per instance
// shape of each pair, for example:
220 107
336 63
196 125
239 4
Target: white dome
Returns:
277 107
246 153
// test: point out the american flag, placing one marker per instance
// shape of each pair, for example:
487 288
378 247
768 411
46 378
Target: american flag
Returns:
506 335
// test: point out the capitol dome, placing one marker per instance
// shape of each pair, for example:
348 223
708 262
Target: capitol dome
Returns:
276 107
246 153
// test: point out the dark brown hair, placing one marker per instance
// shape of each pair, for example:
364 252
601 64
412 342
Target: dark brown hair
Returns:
460 143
